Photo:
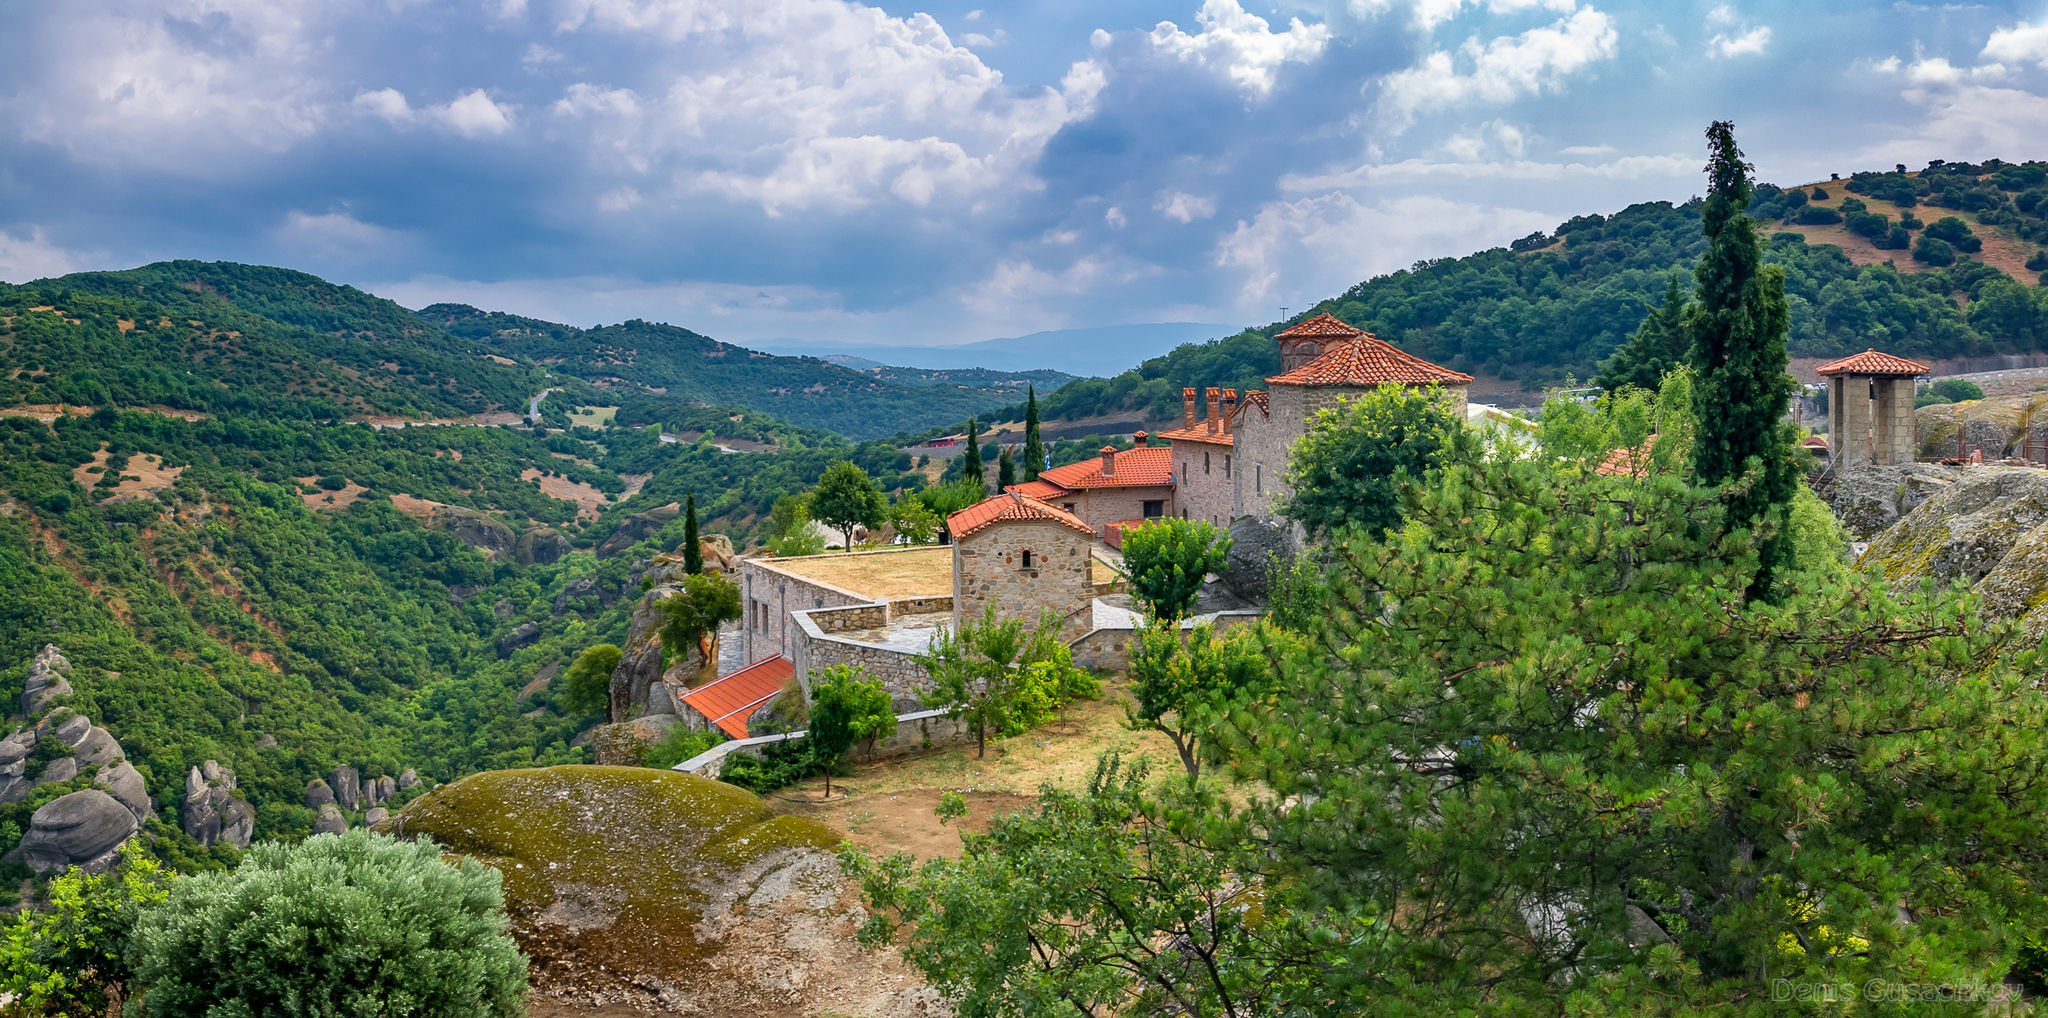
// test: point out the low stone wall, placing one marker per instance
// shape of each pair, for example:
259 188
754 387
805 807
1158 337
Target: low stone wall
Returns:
814 650
916 732
920 605
859 616
1109 649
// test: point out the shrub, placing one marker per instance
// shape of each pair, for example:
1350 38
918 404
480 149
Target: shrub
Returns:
1870 224
680 745
1817 215
1956 390
357 923
331 483
1953 230
74 954
1897 240
1930 398
1819 195
2037 261
1933 250
589 682
1168 559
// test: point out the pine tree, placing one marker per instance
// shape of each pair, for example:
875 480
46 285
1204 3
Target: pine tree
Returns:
1739 329
970 462
1006 469
1659 345
693 553
1034 447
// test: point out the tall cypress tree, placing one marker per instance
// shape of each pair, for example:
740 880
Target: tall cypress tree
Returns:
693 553
1739 329
1034 447
970 462
1006 469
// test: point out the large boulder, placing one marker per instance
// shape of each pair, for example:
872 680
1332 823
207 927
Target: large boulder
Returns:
1993 428
408 778
1868 499
522 635
348 787
1989 529
638 527
318 794
330 821
84 828
626 743
125 784
89 747
543 547
474 529
667 891
213 813
45 680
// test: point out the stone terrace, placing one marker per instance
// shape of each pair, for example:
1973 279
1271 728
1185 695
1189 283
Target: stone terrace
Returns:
882 575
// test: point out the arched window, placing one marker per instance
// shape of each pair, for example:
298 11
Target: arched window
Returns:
1027 558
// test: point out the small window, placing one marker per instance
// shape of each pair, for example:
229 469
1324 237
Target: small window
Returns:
1226 464
1205 462
1027 559
1259 479
1155 508
1068 506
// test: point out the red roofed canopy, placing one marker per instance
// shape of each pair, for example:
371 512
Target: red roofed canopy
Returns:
1368 361
729 701
1010 507
1143 467
1870 362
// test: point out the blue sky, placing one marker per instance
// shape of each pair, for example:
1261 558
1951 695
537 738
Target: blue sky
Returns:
937 172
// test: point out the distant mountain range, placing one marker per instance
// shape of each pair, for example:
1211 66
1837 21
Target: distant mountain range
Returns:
1101 350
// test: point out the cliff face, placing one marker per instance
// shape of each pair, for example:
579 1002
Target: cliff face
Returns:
1988 529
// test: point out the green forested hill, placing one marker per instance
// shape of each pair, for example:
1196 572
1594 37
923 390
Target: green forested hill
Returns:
1558 303
684 365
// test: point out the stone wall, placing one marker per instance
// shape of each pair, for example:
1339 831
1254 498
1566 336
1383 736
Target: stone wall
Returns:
859 616
919 606
768 594
1099 507
989 567
916 732
1207 472
813 650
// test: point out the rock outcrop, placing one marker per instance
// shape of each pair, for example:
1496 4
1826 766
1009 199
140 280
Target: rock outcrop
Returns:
585 587
1990 529
408 778
638 527
318 794
330 821
213 813
474 529
1994 428
347 786
667 891
85 828
522 635
543 547
625 744
89 747
1869 499
45 681
645 699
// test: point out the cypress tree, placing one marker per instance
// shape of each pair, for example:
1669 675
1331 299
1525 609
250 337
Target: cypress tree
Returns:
970 462
693 553
1739 330
1034 447
1006 469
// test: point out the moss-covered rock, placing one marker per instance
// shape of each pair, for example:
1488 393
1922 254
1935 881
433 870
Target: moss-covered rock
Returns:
1869 499
1965 531
631 883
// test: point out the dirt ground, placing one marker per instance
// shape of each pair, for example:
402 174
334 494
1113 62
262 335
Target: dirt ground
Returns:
589 501
919 573
335 501
2002 247
143 475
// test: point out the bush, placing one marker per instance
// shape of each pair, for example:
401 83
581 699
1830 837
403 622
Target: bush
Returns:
1930 398
680 745
331 483
1870 224
1817 215
74 954
2037 261
1953 230
357 923
1897 240
1956 390
1933 250
1819 195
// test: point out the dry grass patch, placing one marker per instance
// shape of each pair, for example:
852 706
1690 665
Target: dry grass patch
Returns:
589 501
144 475
920 572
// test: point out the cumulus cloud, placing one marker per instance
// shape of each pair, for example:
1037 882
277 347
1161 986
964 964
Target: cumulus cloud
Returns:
1431 13
1409 171
1308 249
34 257
1502 69
1242 44
1185 207
2018 44
471 114
1748 44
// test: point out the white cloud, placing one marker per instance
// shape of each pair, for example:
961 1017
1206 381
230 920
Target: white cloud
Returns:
618 199
1183 206
1749 43
388 103
1242 44
1965 121
1585 150
1308 249
977 39
1412 171
1938 71
1503 69
538 55
473 113
333 235
2018 44
1115 218
1431 13
34 257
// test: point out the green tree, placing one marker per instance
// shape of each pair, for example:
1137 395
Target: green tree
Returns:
1739 330
588 685
1957 389
915 520
970 461
1933 250
789 528
357 923
846 498
1658 345
977 673
1349 468
1034 446
1179 689
846 708
1006 469
693 551
1167 561
73 957
691 617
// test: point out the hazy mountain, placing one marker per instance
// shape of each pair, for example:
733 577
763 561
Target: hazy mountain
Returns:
1101 350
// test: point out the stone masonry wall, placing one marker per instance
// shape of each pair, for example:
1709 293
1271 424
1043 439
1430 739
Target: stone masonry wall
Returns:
768 594
814 650
859 616
1210 472
1099 507
988 568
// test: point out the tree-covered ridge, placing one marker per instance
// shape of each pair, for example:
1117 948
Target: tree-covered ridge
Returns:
637 356
296 345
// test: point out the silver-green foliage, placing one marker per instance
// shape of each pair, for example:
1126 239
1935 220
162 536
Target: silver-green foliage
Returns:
355 924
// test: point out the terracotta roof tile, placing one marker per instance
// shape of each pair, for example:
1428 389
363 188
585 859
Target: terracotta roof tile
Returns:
1040 489
1259 396
1010 508
1368 361
1870 362
1321 325
1198 433
1144 467
730 700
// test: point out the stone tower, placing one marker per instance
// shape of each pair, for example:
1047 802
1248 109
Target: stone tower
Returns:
1870 409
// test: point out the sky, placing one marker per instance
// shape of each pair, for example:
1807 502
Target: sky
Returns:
938 172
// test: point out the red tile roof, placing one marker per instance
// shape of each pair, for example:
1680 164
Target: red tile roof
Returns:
729 701
1368 361
1259 396
1010 508
1321 325
1040 489
1144 467
1199 432
1870 362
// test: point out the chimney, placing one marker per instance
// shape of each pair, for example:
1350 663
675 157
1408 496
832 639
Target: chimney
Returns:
1229 407
1109 461
1212 410
1143 440
1187 399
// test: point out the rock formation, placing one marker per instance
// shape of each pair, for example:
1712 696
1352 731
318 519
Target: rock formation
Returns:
1869 499
375 815
638 527
1990 529
408 778
387 788
213 813
330 821
522 635
89 747
318 794
347 786
543 547
646 701
84 828
474 529
585 587
45 681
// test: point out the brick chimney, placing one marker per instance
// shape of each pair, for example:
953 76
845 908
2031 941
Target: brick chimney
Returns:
1212 410
1187 399
1144 440
1109 461
1229 408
